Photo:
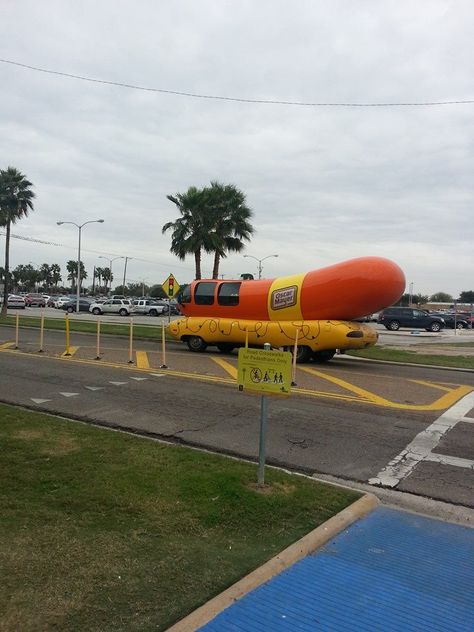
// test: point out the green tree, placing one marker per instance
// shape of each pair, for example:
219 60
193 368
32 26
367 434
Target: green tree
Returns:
55 274
467 296
71 267
157 291
45 275
16 200
190 232
107 277
441 297
228 220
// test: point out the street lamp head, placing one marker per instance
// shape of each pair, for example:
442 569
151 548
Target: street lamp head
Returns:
100 221
59 223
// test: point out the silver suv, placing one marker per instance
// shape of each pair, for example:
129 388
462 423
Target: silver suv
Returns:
123 307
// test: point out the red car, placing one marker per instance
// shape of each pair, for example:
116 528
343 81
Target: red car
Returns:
35 300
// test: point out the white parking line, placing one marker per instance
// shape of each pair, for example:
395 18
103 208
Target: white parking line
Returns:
422 445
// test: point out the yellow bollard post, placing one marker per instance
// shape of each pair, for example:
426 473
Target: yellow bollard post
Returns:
98 339
163 347
247 337
68 351
17 329
41 332
295 351
130 347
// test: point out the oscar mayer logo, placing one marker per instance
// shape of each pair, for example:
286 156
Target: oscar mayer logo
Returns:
284 297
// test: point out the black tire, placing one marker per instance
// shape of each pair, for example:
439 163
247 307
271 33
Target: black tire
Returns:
166 310
435 327
153 312
97 311
459 326
196 343
324 356
225 347
393 325
303 353
70 310
123 312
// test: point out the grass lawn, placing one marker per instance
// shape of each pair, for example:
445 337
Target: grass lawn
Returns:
105 531
418 357
145 332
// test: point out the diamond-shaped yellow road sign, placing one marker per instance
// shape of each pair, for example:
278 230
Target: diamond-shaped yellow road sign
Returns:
171 287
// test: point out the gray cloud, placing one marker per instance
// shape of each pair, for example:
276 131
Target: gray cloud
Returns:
326 184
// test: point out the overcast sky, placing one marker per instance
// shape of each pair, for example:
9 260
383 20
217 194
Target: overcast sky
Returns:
325 184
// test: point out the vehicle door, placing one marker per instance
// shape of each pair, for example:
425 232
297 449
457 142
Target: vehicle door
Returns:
116 306
405 316
421 318
107 307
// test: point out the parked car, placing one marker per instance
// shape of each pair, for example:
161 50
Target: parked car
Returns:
395 317
148 307
35 300
14 301
123 307
171 307
61 300
452 320
70 307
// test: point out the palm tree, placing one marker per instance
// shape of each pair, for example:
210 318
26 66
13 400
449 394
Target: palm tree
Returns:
107 276
45 275
55 271
16 199
98 273
71 267
229 218
190 231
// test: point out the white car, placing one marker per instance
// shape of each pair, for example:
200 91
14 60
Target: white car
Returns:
61 300
14 301
123 307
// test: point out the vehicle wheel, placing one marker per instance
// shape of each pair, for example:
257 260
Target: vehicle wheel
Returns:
225 347
166 309
435 327
459 326
324 356
303 353
153 312
96 311
196 343
123 312
70 310
394 325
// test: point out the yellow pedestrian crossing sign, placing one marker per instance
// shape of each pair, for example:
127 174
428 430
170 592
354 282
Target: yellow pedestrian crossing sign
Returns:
171 287
265 372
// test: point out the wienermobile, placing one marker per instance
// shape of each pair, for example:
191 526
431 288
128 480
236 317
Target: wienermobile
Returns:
314 312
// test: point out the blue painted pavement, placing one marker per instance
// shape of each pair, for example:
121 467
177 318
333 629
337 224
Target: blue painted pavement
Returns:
390 571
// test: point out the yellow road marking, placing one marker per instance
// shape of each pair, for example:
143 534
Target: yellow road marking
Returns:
142 360
227 366
6 345
445 401
433 385
362 396
72 351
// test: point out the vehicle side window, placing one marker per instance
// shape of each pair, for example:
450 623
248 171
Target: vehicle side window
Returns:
228 294
185 295
418 313
204 293
108 303
116 302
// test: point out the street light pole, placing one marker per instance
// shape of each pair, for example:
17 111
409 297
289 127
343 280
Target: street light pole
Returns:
125 273
110 265
78 280
260 262
410 295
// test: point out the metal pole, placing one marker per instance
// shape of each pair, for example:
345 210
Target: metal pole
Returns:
263 432
78 272
130 350
163 346
295 351
97 357
259 268
17 327
41 333
261 448
67 352
124 275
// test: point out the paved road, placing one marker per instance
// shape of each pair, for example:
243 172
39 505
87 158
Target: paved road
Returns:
408 428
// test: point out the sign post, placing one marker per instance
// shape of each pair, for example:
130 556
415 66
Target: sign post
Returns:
268 373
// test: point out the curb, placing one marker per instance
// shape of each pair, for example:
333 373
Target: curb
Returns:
289 556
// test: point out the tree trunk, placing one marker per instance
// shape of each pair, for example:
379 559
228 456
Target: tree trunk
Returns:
215 270
7 271
197 261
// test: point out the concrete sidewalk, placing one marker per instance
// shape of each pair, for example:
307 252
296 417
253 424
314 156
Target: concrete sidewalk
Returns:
391 570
